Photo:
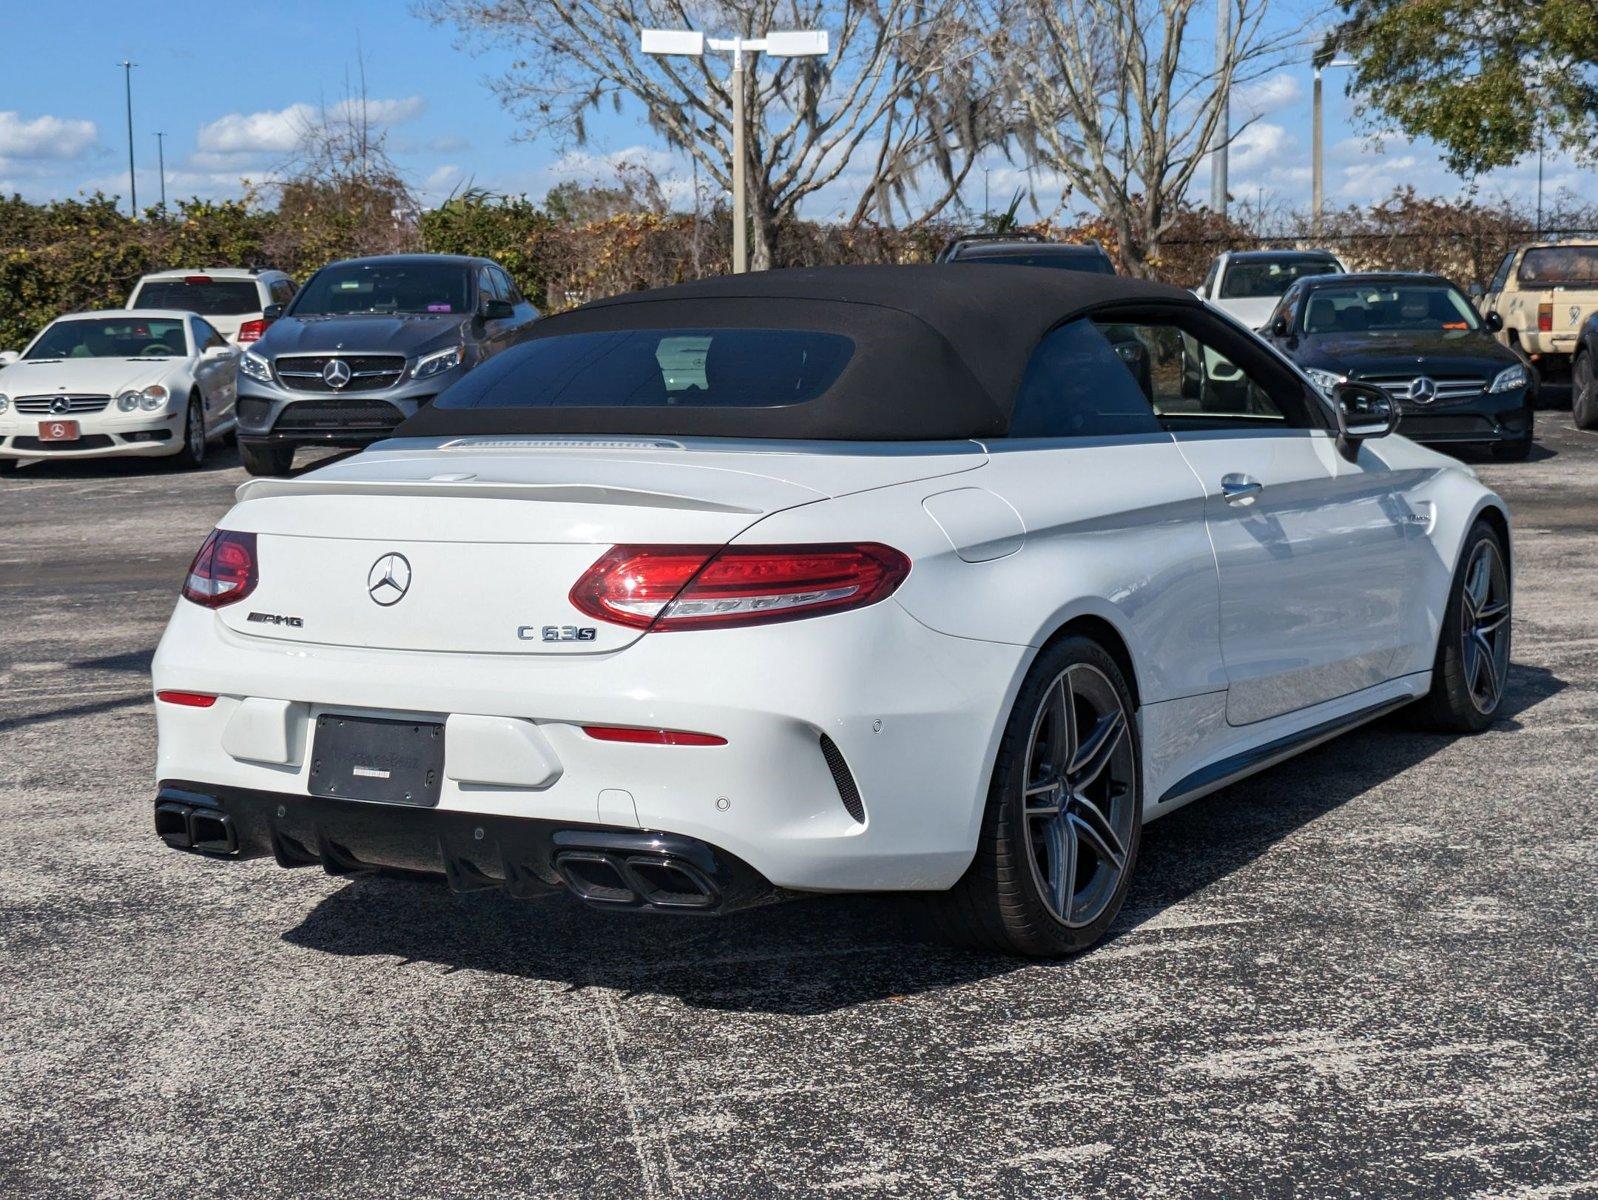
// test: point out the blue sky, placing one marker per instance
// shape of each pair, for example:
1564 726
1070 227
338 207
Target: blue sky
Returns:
227 110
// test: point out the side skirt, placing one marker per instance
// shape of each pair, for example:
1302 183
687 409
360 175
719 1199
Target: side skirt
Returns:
1257 758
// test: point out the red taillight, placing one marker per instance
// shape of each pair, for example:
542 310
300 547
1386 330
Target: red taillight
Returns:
661 588
652 737
187 699
251 331
224 571
1545 318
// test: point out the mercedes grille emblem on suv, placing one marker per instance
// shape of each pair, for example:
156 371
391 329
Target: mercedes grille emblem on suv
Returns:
336 373
1422 390
60 405
389 579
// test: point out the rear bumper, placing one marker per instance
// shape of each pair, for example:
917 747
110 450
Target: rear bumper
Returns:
605 866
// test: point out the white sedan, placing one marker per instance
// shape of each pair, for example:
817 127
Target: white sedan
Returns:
150 382
856 579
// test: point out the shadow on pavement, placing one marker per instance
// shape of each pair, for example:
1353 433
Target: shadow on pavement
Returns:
820 955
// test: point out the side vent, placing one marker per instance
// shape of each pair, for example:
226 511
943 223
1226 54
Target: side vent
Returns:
842 779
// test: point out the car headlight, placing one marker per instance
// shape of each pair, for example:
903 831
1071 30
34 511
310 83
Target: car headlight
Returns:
5 402
152 397
256 367
1510 378
437 363
1324 381
128 401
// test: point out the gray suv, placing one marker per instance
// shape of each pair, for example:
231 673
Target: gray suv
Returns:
364 344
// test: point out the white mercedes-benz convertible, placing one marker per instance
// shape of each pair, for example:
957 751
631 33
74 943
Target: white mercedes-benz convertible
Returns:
852 579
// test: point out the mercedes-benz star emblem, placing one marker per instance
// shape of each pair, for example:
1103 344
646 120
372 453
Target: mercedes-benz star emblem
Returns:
336 373
1422 390
389 579
60 405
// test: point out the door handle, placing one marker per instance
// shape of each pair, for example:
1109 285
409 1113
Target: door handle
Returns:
1240 489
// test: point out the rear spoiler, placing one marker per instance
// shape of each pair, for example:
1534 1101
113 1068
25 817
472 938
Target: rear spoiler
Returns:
548 493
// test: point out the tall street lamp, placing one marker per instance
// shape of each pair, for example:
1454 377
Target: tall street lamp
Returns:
160 156
133 187
802 44
1316 168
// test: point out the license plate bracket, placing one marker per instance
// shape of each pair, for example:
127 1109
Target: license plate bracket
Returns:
58 431
379 759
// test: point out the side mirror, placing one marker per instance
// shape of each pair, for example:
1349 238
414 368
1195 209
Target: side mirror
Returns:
271 312
218 352
1279 327
1476 291
7 357
498 310
1363 411
1493 321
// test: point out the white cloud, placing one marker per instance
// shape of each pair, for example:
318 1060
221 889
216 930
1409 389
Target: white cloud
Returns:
1259 145
1262 96
280 131
46 137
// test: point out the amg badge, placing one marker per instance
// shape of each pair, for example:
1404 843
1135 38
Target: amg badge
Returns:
557 633
256 618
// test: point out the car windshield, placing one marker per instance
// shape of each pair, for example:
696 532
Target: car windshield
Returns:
1560 265
411 287
1093 264
137 337
1388 307
199 294
1267 278
681 368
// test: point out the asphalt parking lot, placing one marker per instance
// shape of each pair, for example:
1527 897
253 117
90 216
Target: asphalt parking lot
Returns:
1368 972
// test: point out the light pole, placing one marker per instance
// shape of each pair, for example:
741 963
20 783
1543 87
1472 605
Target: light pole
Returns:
160 158
133 187
802 44
1219 159
1316 137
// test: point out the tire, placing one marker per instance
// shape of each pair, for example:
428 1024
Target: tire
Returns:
1512 451
192 454
266 460
1584 392
1011 898
1472 663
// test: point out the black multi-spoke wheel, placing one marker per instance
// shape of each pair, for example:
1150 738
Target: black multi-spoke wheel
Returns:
1584 391
1060 833
1079 795
1472 664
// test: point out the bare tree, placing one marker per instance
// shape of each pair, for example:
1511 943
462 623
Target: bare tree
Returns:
1123 98
896 99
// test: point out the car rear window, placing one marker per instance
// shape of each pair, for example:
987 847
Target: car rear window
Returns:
1555 265
211 298
1255 279
661 368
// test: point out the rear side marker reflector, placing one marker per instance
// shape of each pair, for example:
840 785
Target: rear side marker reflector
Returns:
651 737
187 699
664 588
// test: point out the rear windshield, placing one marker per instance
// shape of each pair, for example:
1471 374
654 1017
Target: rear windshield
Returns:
1553 265
1093 264
1404 307
410 287
212 298
1268 278
114 338
664 368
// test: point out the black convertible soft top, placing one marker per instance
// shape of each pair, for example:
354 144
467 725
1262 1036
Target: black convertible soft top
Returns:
939 352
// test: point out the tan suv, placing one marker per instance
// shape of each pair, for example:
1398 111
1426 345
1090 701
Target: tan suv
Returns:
1543 292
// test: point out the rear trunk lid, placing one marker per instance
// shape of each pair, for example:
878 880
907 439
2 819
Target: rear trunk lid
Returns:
473 545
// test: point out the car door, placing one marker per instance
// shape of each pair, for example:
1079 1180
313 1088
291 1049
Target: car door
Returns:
215 374
499 332
1319 557
1494 300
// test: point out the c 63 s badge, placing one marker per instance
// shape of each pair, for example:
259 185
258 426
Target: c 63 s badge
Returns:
258 618
557 633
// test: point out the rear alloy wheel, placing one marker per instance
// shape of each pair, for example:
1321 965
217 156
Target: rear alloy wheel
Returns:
266 460
1060 834
1584 392
1472 666
192 455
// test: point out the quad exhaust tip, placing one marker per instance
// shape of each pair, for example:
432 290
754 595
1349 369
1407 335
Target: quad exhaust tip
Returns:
615 879
188 827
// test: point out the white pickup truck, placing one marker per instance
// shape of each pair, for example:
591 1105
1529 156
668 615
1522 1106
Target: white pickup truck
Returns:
1543 291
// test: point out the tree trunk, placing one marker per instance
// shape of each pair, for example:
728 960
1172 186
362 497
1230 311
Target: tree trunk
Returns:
762 234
